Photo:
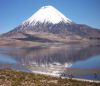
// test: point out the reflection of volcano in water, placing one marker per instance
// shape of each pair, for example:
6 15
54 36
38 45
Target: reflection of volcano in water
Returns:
53 60
46 56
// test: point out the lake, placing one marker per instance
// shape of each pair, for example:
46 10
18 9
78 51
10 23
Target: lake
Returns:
72 60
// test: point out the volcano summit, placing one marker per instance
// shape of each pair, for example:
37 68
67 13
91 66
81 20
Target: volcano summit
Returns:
48 14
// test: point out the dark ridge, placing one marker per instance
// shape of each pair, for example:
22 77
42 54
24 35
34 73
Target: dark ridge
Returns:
29 37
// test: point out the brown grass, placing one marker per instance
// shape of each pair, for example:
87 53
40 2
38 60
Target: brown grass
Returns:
15 78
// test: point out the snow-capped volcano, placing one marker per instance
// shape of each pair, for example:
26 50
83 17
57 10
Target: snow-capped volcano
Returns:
48 14
52 24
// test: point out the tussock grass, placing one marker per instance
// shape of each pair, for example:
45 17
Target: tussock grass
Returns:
15 78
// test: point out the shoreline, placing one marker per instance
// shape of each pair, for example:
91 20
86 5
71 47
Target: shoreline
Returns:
58 76
52 75
9 77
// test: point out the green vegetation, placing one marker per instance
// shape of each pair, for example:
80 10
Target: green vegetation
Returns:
37 43
14 78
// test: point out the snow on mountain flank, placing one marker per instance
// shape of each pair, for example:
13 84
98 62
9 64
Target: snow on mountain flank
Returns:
48 14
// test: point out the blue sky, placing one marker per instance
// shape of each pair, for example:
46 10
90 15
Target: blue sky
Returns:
14 12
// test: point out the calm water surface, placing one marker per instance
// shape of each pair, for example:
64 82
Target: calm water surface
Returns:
80 61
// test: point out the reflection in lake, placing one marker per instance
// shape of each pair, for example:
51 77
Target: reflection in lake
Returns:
80 60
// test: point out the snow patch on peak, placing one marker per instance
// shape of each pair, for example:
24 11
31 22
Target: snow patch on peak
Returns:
48 14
